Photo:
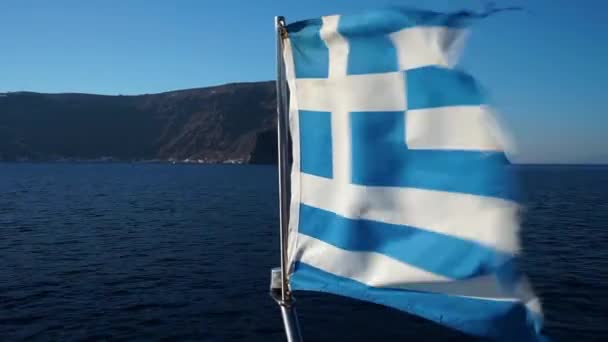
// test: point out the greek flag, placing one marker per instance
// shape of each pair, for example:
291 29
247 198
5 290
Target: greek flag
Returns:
401 192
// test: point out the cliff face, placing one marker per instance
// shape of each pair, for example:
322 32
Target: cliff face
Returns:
232 122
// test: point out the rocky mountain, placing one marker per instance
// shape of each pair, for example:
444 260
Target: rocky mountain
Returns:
228 123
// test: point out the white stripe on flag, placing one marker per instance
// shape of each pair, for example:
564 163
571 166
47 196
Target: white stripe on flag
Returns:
380 271
423 46
340 128
450 128
373 269
488 221
336 44
368 92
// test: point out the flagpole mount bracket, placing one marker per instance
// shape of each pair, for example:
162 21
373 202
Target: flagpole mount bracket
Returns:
276 288
287 306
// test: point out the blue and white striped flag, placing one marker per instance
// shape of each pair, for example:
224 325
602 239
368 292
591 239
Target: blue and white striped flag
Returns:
401 193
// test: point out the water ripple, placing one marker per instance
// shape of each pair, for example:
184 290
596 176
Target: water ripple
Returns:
166 252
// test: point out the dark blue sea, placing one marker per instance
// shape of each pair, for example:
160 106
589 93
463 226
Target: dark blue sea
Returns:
183 252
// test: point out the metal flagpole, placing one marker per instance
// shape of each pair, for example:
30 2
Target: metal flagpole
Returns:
279 285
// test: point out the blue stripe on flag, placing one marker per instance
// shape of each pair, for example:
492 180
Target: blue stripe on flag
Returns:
500 320
367 53
315 143
458 258
432 86
310 53
380 157
386 21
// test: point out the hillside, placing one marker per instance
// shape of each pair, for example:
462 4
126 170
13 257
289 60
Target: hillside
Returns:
228 123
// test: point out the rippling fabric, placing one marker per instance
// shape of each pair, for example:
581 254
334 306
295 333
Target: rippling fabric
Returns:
401 191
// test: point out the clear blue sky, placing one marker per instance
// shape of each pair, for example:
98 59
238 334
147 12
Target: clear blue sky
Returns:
546 67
